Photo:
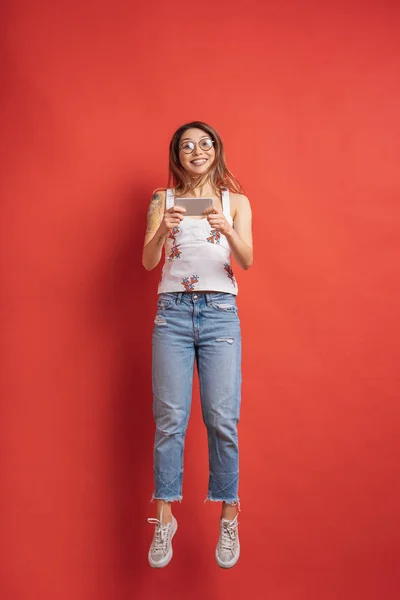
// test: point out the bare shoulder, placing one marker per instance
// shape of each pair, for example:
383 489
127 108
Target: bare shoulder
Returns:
158 195
239 203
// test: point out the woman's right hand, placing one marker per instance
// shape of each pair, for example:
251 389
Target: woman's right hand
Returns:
158 228
172 218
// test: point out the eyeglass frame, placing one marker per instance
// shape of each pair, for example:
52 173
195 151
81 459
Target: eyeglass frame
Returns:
197 144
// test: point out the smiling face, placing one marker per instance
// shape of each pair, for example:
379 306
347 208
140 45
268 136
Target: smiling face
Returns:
200 160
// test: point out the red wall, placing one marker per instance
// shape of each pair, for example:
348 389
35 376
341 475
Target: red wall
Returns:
306 97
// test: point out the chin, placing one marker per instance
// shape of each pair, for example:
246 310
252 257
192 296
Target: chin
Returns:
199 172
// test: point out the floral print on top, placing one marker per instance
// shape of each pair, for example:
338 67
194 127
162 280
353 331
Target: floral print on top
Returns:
174 252
188 284
197 256
229 273
215 237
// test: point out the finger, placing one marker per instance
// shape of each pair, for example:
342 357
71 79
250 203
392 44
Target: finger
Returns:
218 226
212 210
177 209
215 220
174 215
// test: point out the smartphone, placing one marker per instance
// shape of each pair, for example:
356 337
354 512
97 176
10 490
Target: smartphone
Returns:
194 206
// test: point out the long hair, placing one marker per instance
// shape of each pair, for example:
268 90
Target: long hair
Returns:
218 174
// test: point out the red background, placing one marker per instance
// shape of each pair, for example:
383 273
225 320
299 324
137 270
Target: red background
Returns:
306 98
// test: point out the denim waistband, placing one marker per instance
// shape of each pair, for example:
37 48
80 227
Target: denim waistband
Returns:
209 297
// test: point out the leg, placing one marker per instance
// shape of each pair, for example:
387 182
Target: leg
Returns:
173 358
229 511
219 366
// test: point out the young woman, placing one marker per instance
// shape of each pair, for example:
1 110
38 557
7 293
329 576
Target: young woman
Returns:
197 320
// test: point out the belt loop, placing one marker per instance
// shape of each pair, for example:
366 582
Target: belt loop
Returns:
179 297
208 299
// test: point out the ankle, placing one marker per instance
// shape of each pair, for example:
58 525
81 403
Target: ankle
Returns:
165 518
164 512
229 511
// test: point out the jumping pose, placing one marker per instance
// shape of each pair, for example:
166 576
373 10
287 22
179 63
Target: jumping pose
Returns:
197 322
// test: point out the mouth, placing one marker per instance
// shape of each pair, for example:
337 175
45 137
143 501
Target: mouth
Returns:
199 162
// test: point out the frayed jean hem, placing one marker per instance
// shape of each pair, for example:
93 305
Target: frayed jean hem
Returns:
233 502
164 499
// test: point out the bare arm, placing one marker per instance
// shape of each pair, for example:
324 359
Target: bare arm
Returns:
159 224
153 244
239 235
240 238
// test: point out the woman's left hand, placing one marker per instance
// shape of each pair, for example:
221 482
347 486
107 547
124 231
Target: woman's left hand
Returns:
217 220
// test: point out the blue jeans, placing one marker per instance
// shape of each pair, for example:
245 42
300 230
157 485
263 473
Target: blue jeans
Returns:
205 327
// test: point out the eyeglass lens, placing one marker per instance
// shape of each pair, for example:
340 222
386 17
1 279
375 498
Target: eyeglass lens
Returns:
205 144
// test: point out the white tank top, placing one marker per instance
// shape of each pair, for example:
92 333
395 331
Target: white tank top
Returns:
197 257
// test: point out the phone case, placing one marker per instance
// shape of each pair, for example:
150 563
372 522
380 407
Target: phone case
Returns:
194 206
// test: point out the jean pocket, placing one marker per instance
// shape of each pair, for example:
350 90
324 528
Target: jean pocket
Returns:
223 302
166 301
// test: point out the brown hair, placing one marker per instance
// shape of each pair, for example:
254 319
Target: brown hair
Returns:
218 173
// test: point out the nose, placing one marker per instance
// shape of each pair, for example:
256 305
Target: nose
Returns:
197 150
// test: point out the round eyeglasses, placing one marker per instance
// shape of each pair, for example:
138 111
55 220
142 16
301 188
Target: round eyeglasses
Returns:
205 144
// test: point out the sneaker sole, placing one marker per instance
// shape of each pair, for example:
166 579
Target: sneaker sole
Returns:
230 564
163 563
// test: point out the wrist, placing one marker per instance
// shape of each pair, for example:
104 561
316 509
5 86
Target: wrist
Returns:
230 234
162 232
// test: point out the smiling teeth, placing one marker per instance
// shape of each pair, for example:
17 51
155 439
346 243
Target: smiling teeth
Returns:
199 162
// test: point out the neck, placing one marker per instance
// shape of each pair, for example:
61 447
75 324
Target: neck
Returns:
202 188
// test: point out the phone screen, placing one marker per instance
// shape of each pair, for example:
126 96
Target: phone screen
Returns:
194 206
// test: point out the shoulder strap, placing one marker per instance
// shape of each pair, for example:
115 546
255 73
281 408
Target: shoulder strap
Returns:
226 202
169 198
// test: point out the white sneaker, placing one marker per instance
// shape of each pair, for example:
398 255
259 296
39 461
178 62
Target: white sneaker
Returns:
160 552
228 548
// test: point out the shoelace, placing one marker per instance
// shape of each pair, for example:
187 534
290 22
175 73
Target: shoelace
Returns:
228 534
161 534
